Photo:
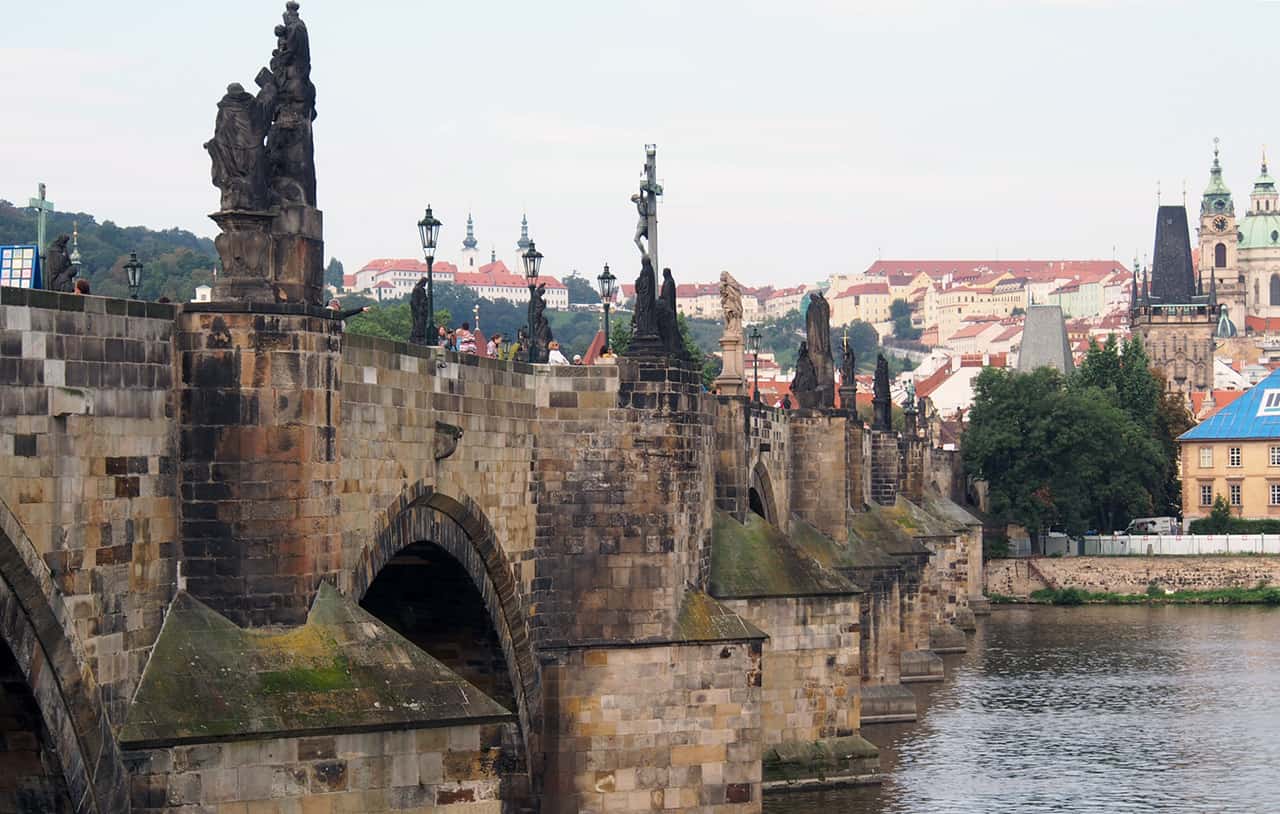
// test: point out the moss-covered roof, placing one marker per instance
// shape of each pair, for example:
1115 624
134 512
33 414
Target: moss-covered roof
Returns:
950 513
344 669
703 619
756 559
852 554
893 528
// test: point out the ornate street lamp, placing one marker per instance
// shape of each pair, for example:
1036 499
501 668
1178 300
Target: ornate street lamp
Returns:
607 282
475 317
532 263
428 231
753 345
133 270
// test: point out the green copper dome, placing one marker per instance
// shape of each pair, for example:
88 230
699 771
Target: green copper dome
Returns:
1260 231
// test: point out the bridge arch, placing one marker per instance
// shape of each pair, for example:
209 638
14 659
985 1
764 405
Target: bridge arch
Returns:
41 647
760 495
458 527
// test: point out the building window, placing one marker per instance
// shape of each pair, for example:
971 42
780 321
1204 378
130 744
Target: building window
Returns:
1233 492
1220 256
1206 457
1275 494
1275 456
1206 494
1233 456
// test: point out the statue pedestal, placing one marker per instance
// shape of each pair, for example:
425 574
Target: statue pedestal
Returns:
731 381
247 252
298 233
270 256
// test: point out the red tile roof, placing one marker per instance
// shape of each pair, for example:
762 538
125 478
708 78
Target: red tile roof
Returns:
1262 324
497 274
1221 398
1041 270
865 288
382 264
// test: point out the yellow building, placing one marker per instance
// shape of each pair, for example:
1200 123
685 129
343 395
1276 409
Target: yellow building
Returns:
1236 454
868 302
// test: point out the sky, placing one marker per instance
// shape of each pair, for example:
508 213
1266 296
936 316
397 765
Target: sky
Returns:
795 139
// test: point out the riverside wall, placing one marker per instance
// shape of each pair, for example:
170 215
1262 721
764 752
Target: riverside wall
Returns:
1129 575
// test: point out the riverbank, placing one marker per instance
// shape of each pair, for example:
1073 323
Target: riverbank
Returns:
1131 576
1259 595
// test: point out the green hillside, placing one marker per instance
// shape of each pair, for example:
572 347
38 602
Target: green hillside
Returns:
175 261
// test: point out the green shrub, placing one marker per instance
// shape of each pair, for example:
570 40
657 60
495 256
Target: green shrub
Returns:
1154 590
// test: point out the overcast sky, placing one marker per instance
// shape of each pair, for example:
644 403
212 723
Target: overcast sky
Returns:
795 138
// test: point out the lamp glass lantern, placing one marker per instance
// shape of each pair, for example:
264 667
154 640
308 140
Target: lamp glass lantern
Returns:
429 231
133 271
532 263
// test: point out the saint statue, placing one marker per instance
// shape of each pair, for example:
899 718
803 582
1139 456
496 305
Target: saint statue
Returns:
418 309
59 273
237 147
882 409
805 382
644 320
541 327
642 227
290 144
668 321
731 304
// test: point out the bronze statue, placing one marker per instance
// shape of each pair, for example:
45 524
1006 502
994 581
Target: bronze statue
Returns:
805 383
541 327
642 227
668 320
418 309
882 405
848 367
818 330
237 147
59 273
644 320
290 144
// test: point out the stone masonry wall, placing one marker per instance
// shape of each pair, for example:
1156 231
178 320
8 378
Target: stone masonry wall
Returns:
673 728
449 769
751 436
820 481
89 448
259 404
1129 575
811 665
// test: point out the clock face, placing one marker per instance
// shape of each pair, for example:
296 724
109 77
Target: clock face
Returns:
1220 223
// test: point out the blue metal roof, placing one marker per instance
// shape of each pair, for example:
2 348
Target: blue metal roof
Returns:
1256 414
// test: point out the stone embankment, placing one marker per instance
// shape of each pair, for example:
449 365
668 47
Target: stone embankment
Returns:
1129 575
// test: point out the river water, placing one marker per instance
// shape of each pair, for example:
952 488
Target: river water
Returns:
1106 709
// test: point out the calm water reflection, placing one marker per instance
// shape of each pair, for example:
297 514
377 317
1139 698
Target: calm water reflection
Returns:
1116 709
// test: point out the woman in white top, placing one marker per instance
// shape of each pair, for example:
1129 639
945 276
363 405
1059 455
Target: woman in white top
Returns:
555 357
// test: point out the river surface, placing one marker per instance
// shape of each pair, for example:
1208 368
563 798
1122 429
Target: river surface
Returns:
1107 709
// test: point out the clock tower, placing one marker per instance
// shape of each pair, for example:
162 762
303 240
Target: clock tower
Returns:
1219 239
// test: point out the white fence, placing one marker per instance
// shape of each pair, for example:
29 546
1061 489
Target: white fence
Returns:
1182 544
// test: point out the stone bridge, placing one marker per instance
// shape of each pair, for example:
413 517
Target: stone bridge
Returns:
557 588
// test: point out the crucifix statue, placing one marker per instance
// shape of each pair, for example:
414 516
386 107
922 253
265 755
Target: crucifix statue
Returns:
646 202
43 206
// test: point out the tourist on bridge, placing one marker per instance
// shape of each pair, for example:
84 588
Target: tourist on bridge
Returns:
494 349
465 339
334 305
555 357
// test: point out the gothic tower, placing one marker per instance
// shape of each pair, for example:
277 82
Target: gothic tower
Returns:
1177 323
1218 241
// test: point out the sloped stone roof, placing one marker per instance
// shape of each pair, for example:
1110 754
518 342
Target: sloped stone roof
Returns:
1044 340
756 559
344 669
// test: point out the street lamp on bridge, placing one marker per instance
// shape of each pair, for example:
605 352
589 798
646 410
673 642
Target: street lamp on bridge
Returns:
133 271
428 231
532 262
606 281
753 345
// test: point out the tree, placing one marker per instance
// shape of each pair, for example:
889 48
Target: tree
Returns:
581 291
333 273
899 308
1060 451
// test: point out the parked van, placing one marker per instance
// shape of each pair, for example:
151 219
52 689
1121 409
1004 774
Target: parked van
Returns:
1153 525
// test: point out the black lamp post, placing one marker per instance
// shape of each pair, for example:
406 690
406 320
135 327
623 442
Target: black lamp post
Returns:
428 231
606 281
753 345
133 270
532 262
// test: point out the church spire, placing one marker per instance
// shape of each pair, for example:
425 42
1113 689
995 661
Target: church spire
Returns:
523 243
469 242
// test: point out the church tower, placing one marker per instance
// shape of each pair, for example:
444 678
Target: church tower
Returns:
1259 247
523 243
1177 323
1218 234
467 261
